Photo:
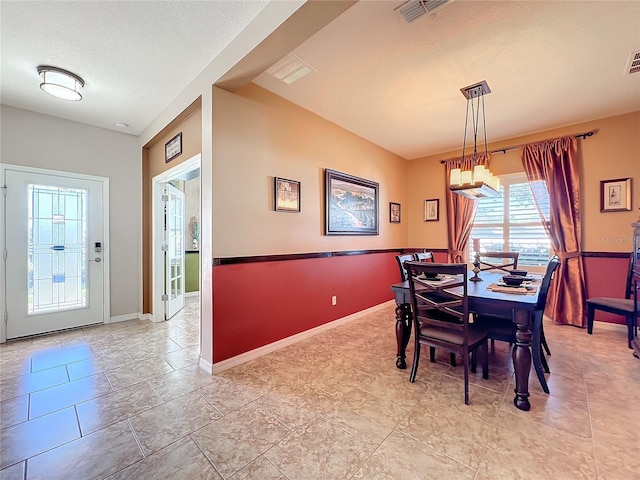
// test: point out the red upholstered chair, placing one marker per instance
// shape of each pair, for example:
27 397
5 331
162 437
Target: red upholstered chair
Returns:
625 307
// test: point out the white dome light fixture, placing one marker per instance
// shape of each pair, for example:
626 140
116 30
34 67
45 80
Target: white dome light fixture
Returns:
61 83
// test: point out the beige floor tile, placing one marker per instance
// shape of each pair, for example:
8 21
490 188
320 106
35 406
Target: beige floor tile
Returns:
50 360
548 450
617 452
32 382
115 407
228 395
185 357
67 394
568 415
162 425
450 430
99 363
14 411
295 406
401 457
237 439
319 450
94 456
27 439
365 416
182 459
260 468
137 372
174 384
15 472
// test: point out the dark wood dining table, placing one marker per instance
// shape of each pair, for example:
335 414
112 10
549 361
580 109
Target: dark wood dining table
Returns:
517 306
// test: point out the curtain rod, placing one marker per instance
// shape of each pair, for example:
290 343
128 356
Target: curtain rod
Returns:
513 147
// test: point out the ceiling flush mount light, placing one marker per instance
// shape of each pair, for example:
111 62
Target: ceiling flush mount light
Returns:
479 181
60 83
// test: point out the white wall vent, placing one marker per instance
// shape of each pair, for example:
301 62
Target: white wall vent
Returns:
634 63
412 9
290 69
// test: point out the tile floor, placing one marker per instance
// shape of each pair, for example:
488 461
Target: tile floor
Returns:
127 401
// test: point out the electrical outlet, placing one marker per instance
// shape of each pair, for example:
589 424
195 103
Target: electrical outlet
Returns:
334 300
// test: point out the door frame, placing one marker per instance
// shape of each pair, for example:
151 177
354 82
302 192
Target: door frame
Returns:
106 247
157 235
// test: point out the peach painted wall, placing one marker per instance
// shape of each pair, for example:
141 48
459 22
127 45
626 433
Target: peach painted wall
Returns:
614 152
153 163
258 135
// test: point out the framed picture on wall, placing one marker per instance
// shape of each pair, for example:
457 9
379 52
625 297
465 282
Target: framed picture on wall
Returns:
394 212
432 210
351 204
615 195
286 194
173 148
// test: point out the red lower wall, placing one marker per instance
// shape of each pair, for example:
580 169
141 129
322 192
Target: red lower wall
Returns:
255 304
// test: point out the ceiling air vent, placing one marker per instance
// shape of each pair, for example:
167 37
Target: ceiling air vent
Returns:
634 63
413 9
290 69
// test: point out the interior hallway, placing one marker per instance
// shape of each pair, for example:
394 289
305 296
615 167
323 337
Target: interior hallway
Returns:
127 400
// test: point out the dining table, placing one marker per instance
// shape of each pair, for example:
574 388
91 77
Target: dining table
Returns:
482 300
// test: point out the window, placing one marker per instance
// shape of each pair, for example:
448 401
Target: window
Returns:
510 222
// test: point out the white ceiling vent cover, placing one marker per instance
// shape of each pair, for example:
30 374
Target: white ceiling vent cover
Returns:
413 9
634 63
290 69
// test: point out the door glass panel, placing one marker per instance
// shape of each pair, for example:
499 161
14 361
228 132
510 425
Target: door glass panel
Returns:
57 252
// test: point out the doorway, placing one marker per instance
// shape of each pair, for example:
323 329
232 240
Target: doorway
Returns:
56 266
175 222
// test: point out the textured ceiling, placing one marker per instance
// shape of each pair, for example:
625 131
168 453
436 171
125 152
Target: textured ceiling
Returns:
397 84
548 63
135 56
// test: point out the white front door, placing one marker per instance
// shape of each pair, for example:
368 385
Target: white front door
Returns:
174 251
55 251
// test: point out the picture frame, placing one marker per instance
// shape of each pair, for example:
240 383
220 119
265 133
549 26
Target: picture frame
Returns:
615 195
286 195
394 212
432 210
173 148
351 204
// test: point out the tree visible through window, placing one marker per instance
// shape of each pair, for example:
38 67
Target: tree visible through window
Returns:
510 222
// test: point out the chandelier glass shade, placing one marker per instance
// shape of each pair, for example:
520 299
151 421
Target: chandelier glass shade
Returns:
477 181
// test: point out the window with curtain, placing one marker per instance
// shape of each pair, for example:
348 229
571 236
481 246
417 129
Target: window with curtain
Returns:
510 222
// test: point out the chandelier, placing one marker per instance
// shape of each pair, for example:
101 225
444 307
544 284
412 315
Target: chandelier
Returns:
479 181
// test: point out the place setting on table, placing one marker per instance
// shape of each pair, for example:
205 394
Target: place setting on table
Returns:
516 282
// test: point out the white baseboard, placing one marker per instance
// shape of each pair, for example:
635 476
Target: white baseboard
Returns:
192 294
206 366
618 327
272 347
124 318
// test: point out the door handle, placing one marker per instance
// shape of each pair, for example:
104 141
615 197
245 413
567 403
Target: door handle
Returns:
97 260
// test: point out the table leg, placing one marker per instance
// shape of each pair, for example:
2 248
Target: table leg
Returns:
403 332
521 355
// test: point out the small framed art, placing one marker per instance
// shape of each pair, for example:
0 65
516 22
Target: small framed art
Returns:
286 194
432 210
615 195
394 212
173 148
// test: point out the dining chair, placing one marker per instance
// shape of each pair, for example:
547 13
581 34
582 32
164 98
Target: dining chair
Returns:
401 259
423 257
618 306
503 329
508 261
440 308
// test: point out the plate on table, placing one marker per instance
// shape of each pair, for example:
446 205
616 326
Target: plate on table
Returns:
437 278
